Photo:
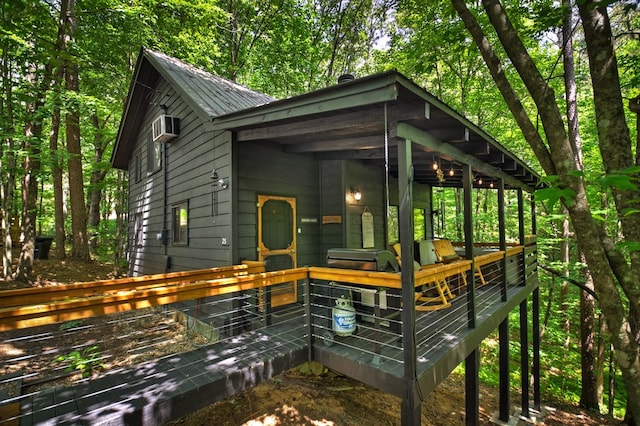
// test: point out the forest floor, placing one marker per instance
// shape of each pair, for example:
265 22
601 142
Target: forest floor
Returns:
299 397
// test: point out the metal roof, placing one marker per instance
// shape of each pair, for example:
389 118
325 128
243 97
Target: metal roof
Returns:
208 95
359 119
364 119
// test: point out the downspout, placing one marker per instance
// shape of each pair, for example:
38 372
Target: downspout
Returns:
165 206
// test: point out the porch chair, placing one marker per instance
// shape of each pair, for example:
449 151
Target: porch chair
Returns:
447 253
423 302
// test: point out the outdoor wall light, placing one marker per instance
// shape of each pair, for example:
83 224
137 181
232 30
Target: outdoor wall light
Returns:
355 192
451 172
221 183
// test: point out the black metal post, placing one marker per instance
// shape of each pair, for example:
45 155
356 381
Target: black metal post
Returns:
467 185
502 230
472 362
503 328
524 358
472 388
521 235
268 310
307 312
410 413
503 338
537 404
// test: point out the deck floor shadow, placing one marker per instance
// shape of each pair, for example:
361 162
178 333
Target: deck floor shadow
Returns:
170 387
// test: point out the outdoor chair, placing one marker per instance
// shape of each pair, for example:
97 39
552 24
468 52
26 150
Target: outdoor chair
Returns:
446 253
424 301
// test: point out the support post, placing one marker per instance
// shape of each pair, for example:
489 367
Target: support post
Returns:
521 233
410 410
503 338
537 403
307 312
467 185
502 231
472 388
524 358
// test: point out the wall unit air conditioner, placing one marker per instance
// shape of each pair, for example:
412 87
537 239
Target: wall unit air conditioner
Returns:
165 128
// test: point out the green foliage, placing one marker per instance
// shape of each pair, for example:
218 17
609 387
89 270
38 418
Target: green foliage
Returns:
71 324
86 361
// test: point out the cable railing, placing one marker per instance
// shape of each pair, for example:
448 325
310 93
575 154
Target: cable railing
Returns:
89 345
79 333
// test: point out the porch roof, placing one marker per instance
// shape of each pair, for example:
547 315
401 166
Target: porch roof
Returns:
364 119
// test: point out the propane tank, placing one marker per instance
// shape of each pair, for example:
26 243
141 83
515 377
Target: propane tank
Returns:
344 317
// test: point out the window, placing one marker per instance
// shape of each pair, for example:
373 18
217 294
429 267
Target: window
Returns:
154 155
136 166
138 238
180 223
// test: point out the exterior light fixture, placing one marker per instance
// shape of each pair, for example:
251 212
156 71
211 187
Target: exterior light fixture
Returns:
451 172
355 192
221 183
479 181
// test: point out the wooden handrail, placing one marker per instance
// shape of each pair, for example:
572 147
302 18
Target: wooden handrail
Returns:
22 308
31 315
35 295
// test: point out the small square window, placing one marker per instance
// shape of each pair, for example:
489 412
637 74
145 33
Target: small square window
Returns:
180 224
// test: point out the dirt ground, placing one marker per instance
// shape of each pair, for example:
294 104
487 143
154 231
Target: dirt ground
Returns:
315 396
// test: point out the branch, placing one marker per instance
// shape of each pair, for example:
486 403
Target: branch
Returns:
513 102
578 284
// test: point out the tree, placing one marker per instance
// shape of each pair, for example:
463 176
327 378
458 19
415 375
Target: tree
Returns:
615 268
76 182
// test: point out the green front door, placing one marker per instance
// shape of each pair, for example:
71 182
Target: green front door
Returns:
277 242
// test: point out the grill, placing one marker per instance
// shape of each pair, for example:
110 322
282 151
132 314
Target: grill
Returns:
362 259
367 305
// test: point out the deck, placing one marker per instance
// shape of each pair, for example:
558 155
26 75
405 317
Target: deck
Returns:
172 386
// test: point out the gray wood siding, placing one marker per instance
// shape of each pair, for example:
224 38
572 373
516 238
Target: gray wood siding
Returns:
263 169
370 181
190 162
332 204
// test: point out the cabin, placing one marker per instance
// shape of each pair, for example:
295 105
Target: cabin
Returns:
335 181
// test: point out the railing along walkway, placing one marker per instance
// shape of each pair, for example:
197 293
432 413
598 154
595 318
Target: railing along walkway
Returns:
174 385
166 388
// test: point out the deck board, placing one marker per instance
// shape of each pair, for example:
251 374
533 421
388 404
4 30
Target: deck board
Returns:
157 391
443 342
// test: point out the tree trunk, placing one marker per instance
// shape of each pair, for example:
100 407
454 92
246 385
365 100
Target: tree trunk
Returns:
610 272
589 388
31 165
96 181
56 172
80 248
7 170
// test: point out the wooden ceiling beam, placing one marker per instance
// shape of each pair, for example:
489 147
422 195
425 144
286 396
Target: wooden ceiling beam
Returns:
365 143
425 139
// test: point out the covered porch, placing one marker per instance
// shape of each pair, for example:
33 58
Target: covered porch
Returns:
395 145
